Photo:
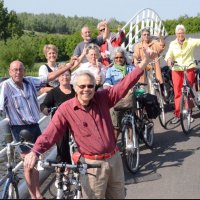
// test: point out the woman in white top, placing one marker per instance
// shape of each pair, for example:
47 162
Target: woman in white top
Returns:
51 54
93 65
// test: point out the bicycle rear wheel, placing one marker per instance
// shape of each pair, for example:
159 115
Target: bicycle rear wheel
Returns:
161 117
130 155
11 191
185 113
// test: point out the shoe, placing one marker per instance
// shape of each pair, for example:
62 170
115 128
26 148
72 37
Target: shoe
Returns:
191 119
175 120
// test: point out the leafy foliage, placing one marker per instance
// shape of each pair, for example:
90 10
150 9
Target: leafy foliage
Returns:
9 24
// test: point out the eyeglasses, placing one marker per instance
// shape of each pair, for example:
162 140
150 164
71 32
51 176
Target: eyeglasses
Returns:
17 70
119 58
90 86
147 34
102 30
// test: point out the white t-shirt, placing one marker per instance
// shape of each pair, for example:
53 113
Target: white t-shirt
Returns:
91 68
43 71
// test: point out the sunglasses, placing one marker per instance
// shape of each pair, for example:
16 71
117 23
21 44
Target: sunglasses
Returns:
90 86
119 58
102 30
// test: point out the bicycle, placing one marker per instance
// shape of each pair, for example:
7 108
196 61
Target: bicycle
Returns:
154 84
70 186
135 126
188 99
11 180
168 90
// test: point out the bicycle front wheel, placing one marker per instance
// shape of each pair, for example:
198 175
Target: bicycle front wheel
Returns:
162 118
148 134
130 154
185 113
11 191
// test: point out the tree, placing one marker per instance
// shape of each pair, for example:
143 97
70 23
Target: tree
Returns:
3 21
9 24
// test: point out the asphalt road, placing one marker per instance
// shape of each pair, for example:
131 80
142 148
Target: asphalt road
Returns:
171 170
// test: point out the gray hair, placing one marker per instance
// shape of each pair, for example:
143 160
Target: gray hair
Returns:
145 30
180 26
122 51
83 73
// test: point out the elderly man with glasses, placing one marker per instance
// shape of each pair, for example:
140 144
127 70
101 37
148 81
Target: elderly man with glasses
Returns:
18 99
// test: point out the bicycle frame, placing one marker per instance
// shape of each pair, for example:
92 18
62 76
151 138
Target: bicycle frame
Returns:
11 177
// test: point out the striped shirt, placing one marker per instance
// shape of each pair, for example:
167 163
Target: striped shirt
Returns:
21 105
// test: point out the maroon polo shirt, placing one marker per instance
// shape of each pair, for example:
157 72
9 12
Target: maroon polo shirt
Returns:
91 128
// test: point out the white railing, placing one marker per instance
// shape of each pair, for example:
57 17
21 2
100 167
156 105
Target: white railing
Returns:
146 18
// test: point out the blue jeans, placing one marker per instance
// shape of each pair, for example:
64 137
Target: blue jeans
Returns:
34 129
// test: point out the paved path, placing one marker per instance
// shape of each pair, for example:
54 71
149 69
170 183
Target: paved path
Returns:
171 169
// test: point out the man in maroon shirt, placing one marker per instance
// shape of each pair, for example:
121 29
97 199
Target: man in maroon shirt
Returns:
88 117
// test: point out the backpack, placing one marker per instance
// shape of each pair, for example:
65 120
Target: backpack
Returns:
151 105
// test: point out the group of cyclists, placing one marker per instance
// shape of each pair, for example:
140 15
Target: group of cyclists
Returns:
84 91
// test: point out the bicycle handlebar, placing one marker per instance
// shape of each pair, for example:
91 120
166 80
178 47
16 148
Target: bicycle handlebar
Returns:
80 166
52 109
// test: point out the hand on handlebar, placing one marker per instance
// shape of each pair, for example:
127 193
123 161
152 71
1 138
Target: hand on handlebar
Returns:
30 160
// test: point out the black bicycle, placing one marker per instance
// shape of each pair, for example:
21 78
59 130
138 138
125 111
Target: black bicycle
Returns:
168 90
11 179
188 100
156 90
135 126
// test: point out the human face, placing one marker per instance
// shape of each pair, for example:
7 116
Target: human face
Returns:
51 56
84 94
17 72
86 34
145 36
101 30
65 78
180 35
92 56
119 59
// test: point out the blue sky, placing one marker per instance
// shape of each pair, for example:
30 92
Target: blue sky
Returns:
122 10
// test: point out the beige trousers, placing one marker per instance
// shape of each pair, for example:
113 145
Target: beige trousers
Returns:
105 182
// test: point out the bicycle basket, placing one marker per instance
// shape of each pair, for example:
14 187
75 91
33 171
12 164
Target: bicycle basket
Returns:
151 104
